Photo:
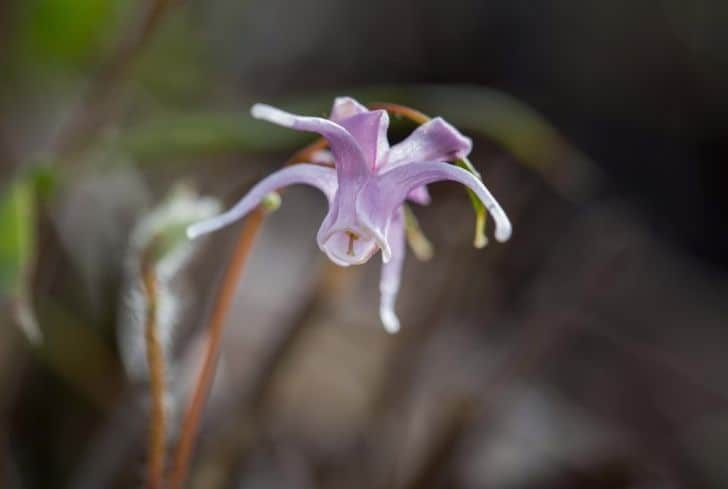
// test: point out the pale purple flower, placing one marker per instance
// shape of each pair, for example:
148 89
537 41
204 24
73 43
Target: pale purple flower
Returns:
367 186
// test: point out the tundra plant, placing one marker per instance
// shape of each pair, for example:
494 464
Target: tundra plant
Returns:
366 185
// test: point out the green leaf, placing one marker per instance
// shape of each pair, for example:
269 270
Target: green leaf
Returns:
16 234
17 248
45 180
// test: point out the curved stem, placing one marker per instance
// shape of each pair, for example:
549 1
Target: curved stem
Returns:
215 327
403 111
155 360
191 423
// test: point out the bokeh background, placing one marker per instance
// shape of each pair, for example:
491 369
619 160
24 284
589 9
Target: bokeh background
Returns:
587 352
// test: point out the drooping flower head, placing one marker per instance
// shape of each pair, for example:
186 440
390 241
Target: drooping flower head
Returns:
367 186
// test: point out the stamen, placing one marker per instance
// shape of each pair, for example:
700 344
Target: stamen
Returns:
352 237
416 238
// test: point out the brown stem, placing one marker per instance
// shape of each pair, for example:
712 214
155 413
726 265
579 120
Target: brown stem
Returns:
190 425
155 360
215 327
92 111
402 110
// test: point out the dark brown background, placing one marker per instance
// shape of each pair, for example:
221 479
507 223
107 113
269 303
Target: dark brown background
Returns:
589 351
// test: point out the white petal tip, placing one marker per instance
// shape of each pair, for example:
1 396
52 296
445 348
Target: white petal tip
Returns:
503 233
389 321
258 109
191 232
205 227
271 114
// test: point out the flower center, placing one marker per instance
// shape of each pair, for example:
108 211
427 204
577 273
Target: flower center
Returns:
349 246
352 237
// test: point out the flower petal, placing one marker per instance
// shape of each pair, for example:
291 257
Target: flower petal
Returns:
393 186
435 140
350 161
345 107
392 273
344 237
420 195
370 131
317 176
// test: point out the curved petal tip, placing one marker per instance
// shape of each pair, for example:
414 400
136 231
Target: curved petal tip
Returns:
193 231
207 226
503 231
271 114
389 319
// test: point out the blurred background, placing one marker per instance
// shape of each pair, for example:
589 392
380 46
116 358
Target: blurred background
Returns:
587 352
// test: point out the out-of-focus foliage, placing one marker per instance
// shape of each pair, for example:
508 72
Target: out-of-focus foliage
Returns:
17 251
175 69
65 33
17 229
190 135
100 204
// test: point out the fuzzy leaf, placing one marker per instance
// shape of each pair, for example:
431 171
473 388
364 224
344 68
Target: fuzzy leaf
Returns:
158 241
